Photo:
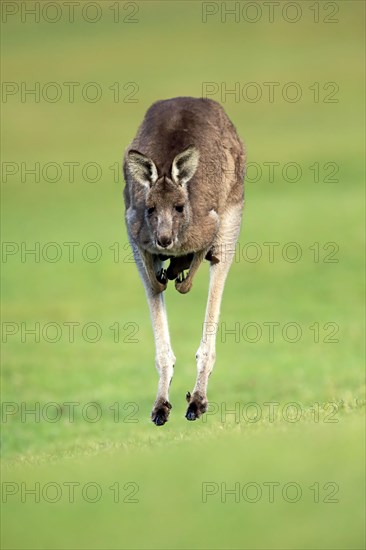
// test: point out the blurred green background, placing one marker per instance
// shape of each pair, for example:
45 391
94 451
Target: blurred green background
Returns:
158 50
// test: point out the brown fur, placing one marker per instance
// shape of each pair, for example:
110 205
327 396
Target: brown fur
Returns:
184 196
168 128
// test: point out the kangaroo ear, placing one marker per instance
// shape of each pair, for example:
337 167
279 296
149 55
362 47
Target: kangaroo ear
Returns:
142 169
184 165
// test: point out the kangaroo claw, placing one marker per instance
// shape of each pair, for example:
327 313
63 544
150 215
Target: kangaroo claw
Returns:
162 276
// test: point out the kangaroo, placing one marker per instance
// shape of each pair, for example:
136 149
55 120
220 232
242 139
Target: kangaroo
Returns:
184 197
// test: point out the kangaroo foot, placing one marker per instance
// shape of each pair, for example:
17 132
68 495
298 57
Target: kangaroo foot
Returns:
160 412
197 405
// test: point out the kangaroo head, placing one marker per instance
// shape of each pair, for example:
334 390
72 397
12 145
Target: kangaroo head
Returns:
167 208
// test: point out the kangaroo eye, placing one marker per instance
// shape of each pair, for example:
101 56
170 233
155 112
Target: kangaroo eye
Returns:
151 210
179 208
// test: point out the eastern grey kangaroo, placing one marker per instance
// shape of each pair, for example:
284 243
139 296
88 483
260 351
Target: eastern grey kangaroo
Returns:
184 198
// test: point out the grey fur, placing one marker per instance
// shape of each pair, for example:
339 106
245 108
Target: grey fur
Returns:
184 195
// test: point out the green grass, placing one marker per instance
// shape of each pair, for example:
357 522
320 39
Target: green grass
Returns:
169 53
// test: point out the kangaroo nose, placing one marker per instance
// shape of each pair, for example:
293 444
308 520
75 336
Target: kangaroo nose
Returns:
164 242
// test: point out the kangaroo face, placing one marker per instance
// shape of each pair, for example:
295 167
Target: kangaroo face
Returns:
167 208
167 213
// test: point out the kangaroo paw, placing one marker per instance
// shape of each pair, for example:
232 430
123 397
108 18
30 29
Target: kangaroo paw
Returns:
160 412
197 405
